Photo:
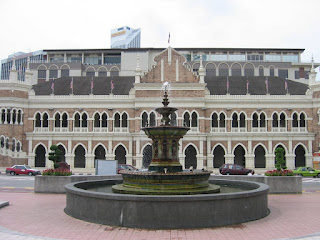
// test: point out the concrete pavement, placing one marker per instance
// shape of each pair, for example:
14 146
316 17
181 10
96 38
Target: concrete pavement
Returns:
32 216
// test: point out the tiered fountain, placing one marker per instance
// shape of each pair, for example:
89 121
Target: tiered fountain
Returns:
165 175
166 196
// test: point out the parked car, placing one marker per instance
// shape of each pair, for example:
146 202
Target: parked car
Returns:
234 169
306 171
22 169
126 167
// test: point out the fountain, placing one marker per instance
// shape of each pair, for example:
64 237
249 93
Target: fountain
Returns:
166 196
165 175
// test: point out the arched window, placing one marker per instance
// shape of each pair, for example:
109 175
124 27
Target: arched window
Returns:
18 146
19 117
13 145
117 120
239 156
242 120
3 116
194 120
45 122
84 120
8 115
186 119
282 120
40 156
259 157
195 68
144 120
218 157
271 71
295 120
302 120
38 120
262 120
147 156
121 153
275 118
14 116
77 120
64 120
104 120
124 122
191 157
2 142
261 71
214 120
173 118
57 120
210 70
249 70
80 157
236 70
97 120
100 153
300 158
222 121
223 69
235 120
255 120
152 119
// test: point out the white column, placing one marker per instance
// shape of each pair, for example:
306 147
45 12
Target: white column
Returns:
269 156
90 155
69 155
249 156
31 155
129 155
200 157
209 155
49 163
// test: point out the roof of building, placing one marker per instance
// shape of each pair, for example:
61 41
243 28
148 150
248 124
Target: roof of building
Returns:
183 49
82 86
256 86
216 86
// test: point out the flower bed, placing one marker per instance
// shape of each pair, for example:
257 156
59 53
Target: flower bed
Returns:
279 173
57 172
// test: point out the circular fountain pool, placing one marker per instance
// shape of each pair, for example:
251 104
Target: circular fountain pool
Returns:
238 202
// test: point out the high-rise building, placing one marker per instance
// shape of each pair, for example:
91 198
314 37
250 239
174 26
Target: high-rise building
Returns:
125 37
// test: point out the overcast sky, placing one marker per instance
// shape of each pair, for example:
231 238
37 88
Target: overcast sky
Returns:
30 25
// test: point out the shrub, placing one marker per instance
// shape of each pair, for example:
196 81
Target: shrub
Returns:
57 172
279 173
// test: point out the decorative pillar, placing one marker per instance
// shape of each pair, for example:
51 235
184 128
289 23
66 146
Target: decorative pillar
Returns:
201 71
312 74
138 70
13 77
209 155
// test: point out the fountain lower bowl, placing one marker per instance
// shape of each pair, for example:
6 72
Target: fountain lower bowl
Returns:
171 183
167 211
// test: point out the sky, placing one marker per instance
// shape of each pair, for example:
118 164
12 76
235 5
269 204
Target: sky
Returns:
30 25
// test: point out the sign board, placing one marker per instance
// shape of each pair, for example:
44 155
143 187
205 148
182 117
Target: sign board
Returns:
106 167
316 160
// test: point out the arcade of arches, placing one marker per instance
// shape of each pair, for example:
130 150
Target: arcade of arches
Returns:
190 156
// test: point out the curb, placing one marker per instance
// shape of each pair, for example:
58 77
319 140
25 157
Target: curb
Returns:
3 204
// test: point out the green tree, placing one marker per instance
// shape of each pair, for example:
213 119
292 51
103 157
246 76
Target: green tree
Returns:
55 155
280 162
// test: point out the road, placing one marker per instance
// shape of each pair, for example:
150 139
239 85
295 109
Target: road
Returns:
21 183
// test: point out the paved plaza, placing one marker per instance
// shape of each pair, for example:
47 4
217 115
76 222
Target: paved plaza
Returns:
40 216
